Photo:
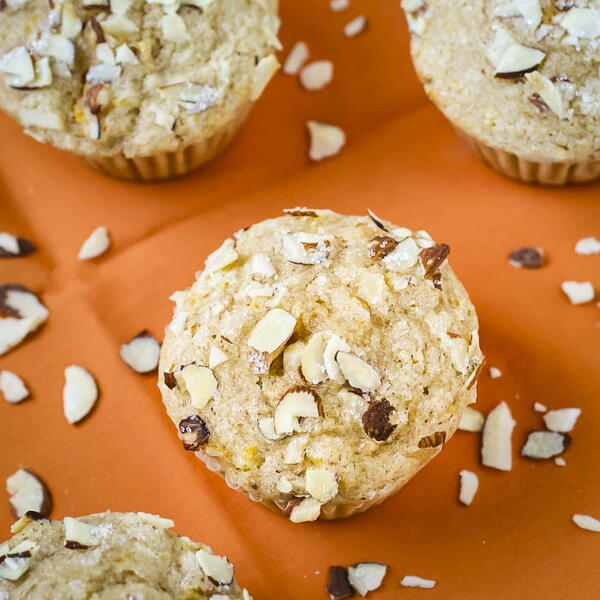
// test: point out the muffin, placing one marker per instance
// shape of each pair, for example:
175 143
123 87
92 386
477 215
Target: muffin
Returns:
139 90
519 80
110 556
320 360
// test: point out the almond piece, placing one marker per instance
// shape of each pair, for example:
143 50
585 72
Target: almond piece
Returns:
585 246
548 92
215 567
27 493
14 563
316 75
366 577
299 402
216 357
266 426
96 244
260 264
334 345
356 26
79 393
305 248
471 420
292 357
357 372
272 332
294 451
312 365
141 353
404 256
578 292
582 22
338 585
339 5
562 420
518 60
194 432
78 535
17 63
321 484
12 387
325 140
295 59
20 302
587 522
263 73
541 445
12 246
539 407
496 448
469 483
417 582
308 509
284 486
222 257
495 373
528 257
200 384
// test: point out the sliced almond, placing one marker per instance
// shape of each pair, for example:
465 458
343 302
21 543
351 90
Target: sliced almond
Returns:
542 445
518 60
357 372
292 357
216 357
417 582
403 257
334 345
124 55
298 403
531 12
14 563
562 420
366 577
471 420
284 486
12 246
103 73
260 264
548 92
272 332
305 248
325 140
156 520
321 484
316 75
118 26
200 384
312 362
174 28
17 63
263 73
308 509
120 7
586 246
141 353
459 354
578 292
266 426
78 535
496 449
12 387
96 244
13 332
469 483
356 26
587 522
296 58
222 257
70 23
294 451
59 47
28 493
582 22
79 393
217 568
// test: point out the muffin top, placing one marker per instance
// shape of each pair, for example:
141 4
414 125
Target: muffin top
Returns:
137 77
519 75
110 556
320 358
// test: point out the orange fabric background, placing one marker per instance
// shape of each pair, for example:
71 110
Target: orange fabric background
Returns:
404 162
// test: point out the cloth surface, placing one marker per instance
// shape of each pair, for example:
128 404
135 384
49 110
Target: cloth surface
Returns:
405 163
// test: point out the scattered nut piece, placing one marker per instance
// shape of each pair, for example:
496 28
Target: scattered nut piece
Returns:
216 357
587 522
582 23
380 246
12 246
13 387
366 577
269 337
547 92
299 402
312 359
200 383
222 257
541 445
334 345
434 440
539 407
418 582
339 5
261 264
28 493
559 461
296 58
578 292
433 258
96 244
562 420
14 563
308 509
376 420
305 248
495 373
403 257
294 451
78 535
321 484
215 567
469 483
194 432
528 257
379 223
471 420
263 73
496 448
517 60
338 585
585 246
356 26
141 353
357 372
284 486
79 393
292 357
316 75
325 140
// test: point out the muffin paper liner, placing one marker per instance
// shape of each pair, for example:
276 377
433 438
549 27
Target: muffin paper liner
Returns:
529 171
167 165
